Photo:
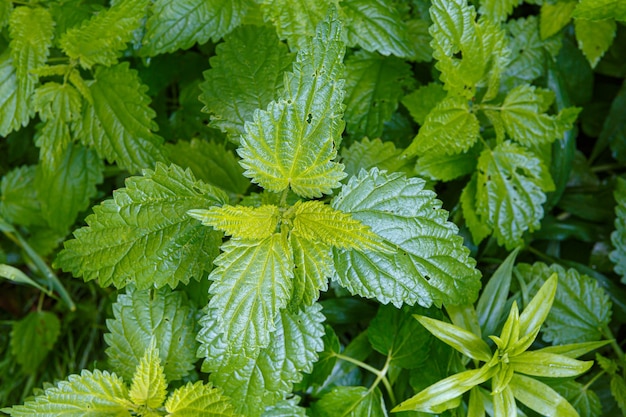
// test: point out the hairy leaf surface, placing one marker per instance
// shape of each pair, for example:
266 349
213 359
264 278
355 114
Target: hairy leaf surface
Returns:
149 387
31 30
312 268
199 400
498 10
142 316
241 221
366 154
430 264
295 20
144 235
292 143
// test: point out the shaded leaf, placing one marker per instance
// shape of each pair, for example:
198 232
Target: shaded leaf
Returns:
554 17
366 154
618 237
18 197
33 337
594 38
199 400
423 100
351 402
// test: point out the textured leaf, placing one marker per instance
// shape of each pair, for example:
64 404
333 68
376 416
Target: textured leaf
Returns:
179 25
373 88
477 227
210 162
511 186
252 282
263 379
18 197
618 237
584 400
420 39
450 128
580 310
33 337
149 387
57 101
292 143
31 30
327 359
101 39
119 124
618 390
144 235
430 265
447 167
286 408
140 317
87 394
312 268
395 333
594 38
366 154
295 20
376 26
241 221
554 17
14 98
199 400
423 100
549 365
245 75
497 10
600 10
540 397
351 402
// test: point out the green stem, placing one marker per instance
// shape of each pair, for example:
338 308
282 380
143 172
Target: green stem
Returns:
607 167
609 335
44 269
592 380
381 375
283 197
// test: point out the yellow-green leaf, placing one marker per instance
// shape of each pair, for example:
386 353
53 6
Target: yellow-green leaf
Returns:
149 386
240 221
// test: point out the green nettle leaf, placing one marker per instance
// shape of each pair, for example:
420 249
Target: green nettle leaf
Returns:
119 124
149 387
241 221
246 73
264 378
554 17
366 154
498 10
581 308
292 143
423 100
397 334
373 88
179 25
18 197
584 400
286 408
525 120
295 20
210 162
57 101
142 316
312 268
327 358
594 37
144 235
90 393
14 100
33 337
431 265
477 227
351 402
618 237
252 281
450 128
199 400
511 186
600 10
618 390
101 39
448 167
376 26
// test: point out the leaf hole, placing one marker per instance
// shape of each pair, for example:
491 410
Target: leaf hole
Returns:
309 118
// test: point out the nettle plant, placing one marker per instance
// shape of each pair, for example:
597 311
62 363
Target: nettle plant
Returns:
236 246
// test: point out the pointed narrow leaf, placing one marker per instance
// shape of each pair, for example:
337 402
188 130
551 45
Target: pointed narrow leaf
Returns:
430 265
465 342
504 403
252 282
17 275
199 400
144 235
90 393
292 143
240 221
574 350
538 308
548 365
149 386
540 397
351 402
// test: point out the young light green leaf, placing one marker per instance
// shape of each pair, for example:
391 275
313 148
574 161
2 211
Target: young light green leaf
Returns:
240 221
395 333
510 191
423 100
119 124
295 21
33 337
31 30
497 10
477 227
246 73
142 316
149 387
144 235
351 402
430 265
540 397
574 350
57 101
178 25
536 312
618 237
251 284
14 97
504 403
491 304
264 378
448 167
90 393
312 268
600 10
286 408
18 197
210 162
374 84
450 128
555 16
584 400
376 26
366 154
462 340
101 39
549 365
594 38
199 400
293 142
319 222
